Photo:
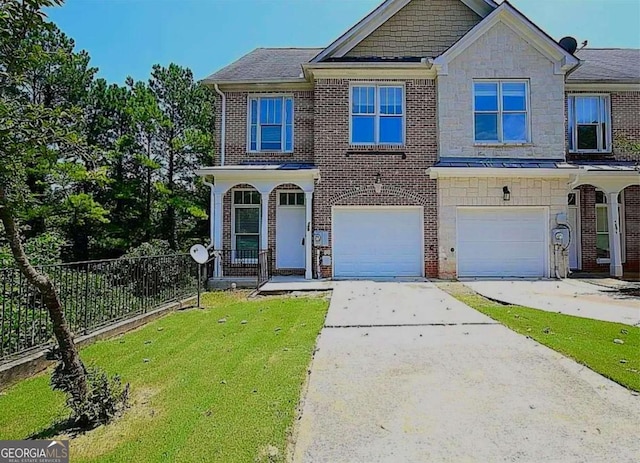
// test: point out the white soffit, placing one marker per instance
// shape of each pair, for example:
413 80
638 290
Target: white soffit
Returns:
347 41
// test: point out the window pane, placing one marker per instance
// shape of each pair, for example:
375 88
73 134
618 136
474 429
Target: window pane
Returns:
247 220
514 127
371 99
363 129
602 224
283 199
254 111
600 197
355 100
602 246
289 111
486 127
254 197
587 137
571 122
514 96
288 138
571 199
270 137
390 100
277 111
248 244
486 96
363 100
300 199
254 138
587 109
391 130
237 197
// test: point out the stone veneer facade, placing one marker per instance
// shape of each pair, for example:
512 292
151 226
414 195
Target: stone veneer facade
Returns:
473 191
501 54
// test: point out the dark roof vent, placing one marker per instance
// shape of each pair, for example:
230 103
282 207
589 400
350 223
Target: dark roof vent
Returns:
569 43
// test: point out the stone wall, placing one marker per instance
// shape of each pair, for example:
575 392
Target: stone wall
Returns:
473 191
501 54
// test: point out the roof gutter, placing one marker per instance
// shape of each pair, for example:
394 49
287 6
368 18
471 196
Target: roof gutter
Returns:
223 123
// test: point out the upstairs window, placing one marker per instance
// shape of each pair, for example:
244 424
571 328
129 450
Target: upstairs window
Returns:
377 115
271 124
589 120
501 111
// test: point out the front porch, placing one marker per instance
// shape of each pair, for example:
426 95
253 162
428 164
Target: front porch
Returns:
261 221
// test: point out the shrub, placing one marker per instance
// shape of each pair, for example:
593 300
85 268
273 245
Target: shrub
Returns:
107 396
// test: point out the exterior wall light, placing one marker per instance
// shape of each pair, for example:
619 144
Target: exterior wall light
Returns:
377 186
506 194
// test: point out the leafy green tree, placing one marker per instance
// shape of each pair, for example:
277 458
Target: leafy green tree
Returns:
32 136
185 136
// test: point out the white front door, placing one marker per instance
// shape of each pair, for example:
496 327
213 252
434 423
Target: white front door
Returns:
573 217
290 230
502 242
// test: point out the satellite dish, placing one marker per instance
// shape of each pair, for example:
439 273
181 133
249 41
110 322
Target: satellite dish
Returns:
569 43
199 253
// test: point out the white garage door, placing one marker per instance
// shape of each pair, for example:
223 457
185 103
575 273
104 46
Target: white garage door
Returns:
377 241
501 242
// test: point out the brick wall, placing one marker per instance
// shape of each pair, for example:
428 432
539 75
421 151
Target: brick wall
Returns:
348 173
455 192
236 130
424 28
631 229
501 53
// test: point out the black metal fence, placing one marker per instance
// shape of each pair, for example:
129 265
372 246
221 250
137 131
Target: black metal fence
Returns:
245 263
93 294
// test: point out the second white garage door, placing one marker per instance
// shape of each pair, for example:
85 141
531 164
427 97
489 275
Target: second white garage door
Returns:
502 242
377 241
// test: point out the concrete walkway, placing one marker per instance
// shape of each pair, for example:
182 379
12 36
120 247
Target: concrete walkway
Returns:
571 297
431 380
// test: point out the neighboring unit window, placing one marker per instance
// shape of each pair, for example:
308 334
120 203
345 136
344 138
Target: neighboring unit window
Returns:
246 224
602 225
271 124
501 111
589 123
377 115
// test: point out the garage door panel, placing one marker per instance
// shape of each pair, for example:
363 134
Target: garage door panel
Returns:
501 242
371 242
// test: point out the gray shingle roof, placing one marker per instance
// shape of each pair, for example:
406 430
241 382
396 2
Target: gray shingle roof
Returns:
608 65
267 63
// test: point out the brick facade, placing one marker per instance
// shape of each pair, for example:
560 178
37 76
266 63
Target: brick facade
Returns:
348 173
625 125
424 28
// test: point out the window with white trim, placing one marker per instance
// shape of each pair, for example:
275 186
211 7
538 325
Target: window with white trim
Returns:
377 115
501 111
246 224
270 124
589 120
602 226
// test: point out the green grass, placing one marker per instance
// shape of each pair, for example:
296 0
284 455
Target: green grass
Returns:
201 390
589 342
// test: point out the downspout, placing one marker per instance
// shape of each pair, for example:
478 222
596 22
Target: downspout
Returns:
223 123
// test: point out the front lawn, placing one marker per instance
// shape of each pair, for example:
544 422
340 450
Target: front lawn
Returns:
589 342
202 389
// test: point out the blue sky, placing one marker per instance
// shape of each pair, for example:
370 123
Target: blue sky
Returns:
126 37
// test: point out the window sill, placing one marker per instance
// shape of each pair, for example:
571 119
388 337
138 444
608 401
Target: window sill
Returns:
269 152
587 153
502 145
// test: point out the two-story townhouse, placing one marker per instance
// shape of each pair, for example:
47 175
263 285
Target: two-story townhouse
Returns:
434 138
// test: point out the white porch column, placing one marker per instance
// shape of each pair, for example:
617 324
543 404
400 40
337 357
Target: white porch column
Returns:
264 221
216 229
615 246
308 239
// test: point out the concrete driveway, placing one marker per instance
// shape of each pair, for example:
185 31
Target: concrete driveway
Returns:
572 297
431 380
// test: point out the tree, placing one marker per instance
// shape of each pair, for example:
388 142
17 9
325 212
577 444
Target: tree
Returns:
32 136
186 141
